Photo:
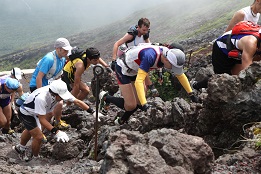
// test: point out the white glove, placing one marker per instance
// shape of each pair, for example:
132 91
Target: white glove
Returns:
61 136
99 115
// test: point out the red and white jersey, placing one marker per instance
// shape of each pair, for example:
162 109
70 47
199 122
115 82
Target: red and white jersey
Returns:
144 56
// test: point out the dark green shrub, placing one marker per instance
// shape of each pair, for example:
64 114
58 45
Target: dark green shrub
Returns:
166 90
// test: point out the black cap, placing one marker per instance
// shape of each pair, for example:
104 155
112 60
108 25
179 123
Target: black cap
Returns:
92 53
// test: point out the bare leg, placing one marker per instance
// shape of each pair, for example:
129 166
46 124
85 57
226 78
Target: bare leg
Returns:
36 133
25 137
2 118
84 91
238 67
128 94
8 114
57 112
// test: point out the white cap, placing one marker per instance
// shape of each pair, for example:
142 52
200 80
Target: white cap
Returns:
59 87
16 72
62 43
176 57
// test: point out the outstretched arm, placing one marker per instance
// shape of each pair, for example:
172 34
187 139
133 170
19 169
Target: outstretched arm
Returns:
122 40
83 105
19 91
184 82
104 64
238 16
248 45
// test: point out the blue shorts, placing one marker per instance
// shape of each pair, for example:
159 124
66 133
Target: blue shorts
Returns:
5 102
123 79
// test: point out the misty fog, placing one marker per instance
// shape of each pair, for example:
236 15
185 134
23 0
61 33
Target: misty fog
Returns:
41 21
24 23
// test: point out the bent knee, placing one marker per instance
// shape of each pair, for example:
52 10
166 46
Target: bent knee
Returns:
38 137
130 106
86 90
3 121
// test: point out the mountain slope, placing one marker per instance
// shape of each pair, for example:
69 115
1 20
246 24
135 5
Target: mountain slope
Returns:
169 22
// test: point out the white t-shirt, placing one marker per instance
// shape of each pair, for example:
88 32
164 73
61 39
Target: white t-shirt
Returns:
137 40
250 16
40 102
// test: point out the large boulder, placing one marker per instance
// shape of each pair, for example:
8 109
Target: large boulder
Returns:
107 82
159 151
231 102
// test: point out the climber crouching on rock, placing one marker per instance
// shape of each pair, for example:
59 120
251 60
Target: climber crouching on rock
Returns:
32 114
131 70
234 51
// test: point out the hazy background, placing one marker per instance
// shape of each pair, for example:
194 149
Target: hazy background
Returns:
28 28
23 22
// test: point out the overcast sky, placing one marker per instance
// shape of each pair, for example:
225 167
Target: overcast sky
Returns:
25 23
39 21
100 10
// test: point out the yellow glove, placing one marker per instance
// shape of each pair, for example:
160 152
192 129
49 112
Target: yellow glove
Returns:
184 82
139 85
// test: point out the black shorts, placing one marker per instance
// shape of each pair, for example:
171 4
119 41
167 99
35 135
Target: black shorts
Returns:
67 80
5 102
28 121
220 61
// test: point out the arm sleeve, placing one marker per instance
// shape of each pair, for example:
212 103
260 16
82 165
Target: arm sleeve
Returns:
139 85
184 82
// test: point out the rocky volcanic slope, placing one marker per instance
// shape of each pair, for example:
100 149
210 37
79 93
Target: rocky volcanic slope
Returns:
172 137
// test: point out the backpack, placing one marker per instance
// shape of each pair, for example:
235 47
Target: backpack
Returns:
243 27
77 52
51 72
247 27
134 32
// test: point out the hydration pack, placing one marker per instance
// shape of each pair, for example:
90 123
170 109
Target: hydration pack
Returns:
77 52
50 74
134 32
242 28
247 27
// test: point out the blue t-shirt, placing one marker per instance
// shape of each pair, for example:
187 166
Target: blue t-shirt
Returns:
147 58
44 66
